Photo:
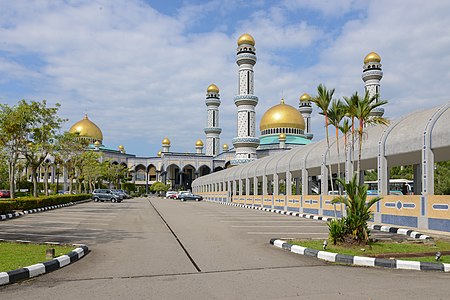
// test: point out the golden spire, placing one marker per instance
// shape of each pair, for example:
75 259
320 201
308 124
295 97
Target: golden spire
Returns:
246 39
372 57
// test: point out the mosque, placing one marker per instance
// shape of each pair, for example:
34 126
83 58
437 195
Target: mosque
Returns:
282 128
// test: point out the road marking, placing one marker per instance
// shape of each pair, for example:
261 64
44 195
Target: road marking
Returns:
276 233
58 235
34 226
269 221
281 226
62 222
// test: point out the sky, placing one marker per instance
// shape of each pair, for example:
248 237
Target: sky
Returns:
140 69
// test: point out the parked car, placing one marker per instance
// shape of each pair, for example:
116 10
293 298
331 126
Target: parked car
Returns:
105 195
171 194
120 193
5 194
189 196
126 195
180 193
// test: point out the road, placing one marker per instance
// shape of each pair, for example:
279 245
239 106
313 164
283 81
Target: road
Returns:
150 248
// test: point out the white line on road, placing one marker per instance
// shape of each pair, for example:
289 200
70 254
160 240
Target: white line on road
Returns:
58 235
281 226
269 221
34 226
275 233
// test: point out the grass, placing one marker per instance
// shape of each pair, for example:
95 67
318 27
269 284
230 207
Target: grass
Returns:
444 259
16 255
373 249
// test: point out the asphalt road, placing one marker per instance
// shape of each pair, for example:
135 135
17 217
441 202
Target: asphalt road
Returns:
153 248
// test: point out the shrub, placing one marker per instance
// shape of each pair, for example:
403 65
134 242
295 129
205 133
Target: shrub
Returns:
6 207
27 203
337 230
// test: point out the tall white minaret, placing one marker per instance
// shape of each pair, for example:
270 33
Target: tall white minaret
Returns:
371 76
246 141
212 129
305 108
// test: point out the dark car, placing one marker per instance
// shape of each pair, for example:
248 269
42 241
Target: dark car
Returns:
190 196
105 195
5 194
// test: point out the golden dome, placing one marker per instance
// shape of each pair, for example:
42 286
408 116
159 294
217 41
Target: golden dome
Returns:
87 128
305 97
212 88
225 147
159 153
166 142
372 57
246 39
282 116
97 144
199 143
282 137
121 147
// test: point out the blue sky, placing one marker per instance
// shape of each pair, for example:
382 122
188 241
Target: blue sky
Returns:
140 69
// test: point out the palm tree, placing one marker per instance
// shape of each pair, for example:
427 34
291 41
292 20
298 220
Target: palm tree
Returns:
336 113
322 100
345 129
352 103
358 209
363 113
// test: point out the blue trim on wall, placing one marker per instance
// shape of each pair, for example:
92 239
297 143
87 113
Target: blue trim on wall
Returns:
330 213
293 209
440 206
312 211
439 224
267 206
422 201
279 207
399 220
256 205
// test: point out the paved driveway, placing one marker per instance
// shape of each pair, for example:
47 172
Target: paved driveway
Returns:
153 248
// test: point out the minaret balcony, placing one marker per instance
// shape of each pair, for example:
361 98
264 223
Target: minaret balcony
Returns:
212 101
245 142
245 100
246 58
215 130
372 74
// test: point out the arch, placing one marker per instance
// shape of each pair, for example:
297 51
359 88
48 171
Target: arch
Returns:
217 169
204 170
151 170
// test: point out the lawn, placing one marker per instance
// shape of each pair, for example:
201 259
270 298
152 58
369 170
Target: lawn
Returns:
373 249
17 255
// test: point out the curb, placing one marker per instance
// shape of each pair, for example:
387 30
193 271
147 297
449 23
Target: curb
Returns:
408 232
361 260
43 268
41 209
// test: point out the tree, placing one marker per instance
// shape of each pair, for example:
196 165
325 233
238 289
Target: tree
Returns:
363 113
41 132
91 168
358 209
336 112
4 176
322 100
14 122
159 187
113 173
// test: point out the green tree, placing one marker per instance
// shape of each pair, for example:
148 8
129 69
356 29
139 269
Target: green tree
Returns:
358 209
159 187
14 130
336 112
114 173
4 176
90 169
442 178
41 133
322 100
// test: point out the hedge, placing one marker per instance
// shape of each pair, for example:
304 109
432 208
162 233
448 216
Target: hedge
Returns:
27 203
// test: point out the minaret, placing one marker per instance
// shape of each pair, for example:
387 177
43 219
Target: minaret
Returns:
371 76
282 140
212 129
305 108
165 145
246 141
199 146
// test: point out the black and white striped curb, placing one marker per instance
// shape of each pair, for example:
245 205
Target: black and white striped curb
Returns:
41 209
42 268
403 231
278 211
361 260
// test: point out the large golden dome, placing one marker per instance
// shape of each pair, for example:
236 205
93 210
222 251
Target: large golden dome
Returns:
282 116
246 39
212 88
372 57
87 128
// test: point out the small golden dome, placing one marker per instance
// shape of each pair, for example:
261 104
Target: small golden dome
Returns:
305 97
372 57
121 147
282 137
199 143
282 116
212 88
87 128
246 39
225 147
97 144
159 153
166 142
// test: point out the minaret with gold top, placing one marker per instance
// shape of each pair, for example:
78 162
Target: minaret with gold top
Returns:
371 76
305 108
246 141
212 129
